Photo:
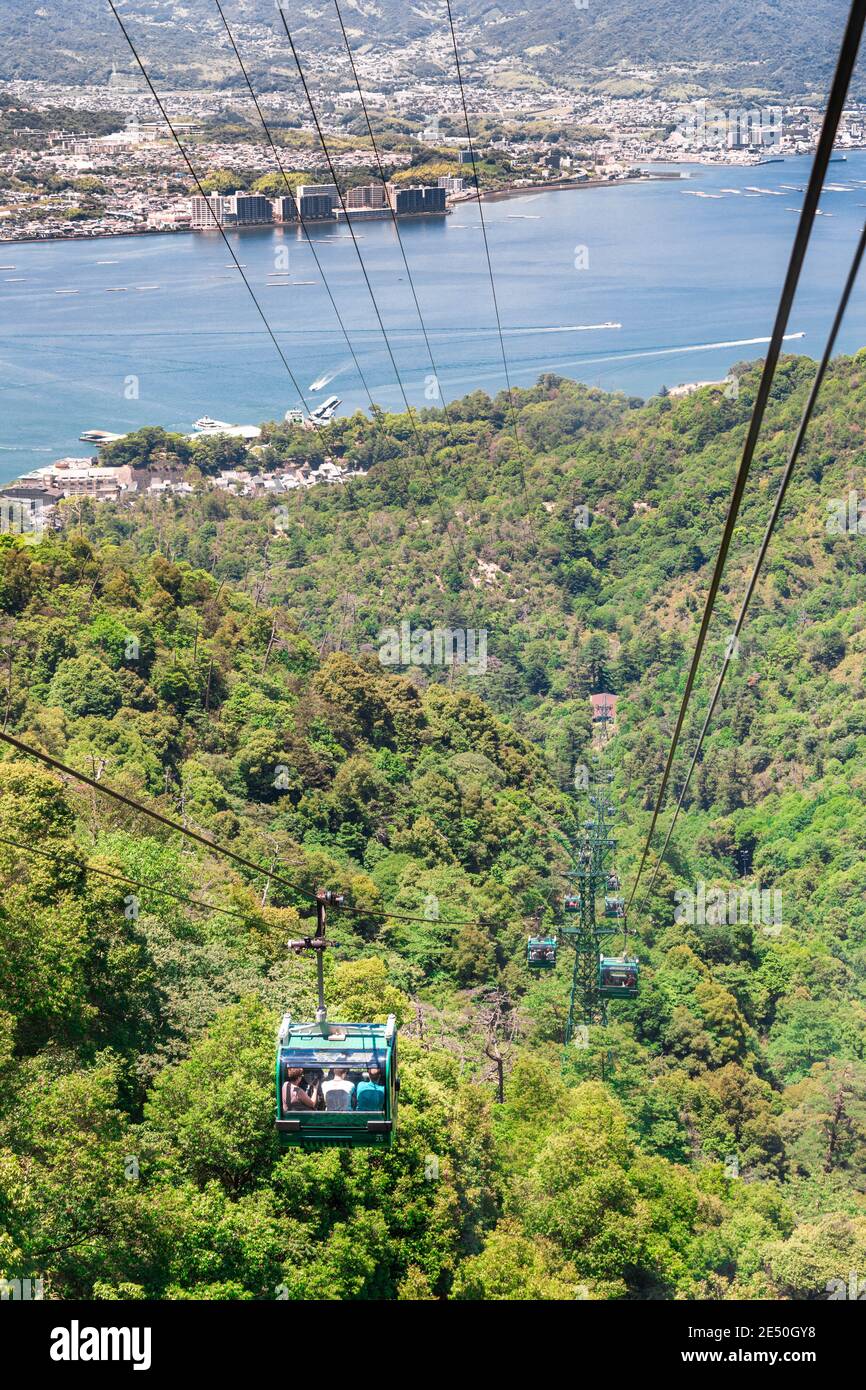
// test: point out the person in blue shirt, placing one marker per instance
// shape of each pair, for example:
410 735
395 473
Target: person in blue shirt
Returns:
370 1094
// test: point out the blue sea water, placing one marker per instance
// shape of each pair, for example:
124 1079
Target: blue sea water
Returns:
693 282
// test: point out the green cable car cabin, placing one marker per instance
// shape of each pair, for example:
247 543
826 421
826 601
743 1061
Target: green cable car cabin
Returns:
571 902
541 952
614 907
618 977
337 1084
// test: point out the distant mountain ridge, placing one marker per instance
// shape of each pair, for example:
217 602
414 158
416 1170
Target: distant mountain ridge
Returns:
769 46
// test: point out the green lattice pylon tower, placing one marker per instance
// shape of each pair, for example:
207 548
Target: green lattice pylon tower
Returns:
593 855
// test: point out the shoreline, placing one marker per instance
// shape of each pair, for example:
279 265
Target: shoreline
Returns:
208 231
494 195
561 186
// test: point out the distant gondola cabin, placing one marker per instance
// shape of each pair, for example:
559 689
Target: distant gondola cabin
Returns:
336 1084
618 977
541 952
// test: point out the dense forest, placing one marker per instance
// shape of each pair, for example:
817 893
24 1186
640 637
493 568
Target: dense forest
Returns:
220 659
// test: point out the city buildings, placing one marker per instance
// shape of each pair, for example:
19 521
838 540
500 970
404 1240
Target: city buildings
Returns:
206 214
250 209
285 208
234 210
315 207
366 195
418 198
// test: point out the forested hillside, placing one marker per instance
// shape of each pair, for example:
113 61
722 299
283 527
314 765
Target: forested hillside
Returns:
220 659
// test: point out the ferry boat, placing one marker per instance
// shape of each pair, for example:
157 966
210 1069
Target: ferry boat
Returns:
100 437
325 411
208 426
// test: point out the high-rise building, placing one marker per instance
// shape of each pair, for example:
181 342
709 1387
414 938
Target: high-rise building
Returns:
419 198
251 209
404 200
314 206
434 198
285 208
208 213
452 183
368 195
319 190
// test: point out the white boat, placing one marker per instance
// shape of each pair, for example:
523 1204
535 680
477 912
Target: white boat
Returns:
325 411
208 426
99 437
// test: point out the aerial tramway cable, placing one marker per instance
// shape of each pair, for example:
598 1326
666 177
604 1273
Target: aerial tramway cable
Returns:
488 257
310 241
188 162
219 225
393 213
58 857
57 766
832 116
762 553
422 453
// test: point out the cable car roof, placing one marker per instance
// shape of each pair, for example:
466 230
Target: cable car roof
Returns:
339 1037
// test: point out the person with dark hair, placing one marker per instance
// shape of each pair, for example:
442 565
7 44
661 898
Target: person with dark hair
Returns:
370 1094
294 1095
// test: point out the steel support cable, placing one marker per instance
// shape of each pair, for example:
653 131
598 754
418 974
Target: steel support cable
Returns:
58 857
118 877
486 244
765 543
422 454
832 116
393 213
311 243
188 162
219 225
57 766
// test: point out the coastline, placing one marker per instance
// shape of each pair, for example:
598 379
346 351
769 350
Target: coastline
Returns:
494 195
208 231
95 236
564 186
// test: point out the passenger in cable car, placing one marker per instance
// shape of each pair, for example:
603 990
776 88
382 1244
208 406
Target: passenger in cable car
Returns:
339 1092
294 1095
370 1094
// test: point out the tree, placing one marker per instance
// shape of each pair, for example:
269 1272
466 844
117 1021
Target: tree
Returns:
359 991
216 1108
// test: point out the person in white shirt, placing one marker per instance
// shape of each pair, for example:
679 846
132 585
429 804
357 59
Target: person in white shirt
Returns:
339 1091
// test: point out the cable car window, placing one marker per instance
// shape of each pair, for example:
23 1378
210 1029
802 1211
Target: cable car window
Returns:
357 1058
541 951
333 1080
